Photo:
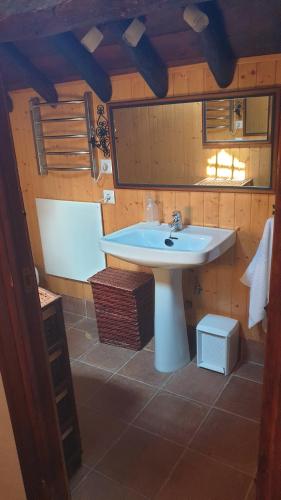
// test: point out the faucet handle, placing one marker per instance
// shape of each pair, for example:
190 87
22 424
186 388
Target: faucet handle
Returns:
176 214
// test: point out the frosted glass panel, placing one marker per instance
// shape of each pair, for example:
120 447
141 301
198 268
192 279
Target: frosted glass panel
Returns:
70 233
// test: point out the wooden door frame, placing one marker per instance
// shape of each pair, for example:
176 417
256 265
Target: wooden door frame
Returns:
269 467
25 373
22 350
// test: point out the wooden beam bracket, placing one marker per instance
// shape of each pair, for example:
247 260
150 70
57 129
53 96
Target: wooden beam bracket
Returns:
84 63
32 75
208 22
145 58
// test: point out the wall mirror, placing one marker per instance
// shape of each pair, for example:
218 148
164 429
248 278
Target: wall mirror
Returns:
217 141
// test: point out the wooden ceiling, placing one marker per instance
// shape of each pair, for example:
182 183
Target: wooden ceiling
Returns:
253 28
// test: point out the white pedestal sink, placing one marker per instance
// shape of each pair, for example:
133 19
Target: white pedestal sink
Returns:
144 244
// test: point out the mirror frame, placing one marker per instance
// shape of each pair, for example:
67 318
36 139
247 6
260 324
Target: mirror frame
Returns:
274 91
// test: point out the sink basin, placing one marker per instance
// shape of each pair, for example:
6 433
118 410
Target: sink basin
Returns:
168 254
144 244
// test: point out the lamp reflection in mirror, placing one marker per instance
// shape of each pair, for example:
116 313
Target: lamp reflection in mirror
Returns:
222 165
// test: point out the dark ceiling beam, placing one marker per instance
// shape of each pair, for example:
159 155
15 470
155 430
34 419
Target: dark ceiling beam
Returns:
84 63
146 60
25 19
216 46
32 75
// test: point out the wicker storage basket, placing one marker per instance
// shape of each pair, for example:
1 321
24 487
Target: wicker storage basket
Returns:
124 302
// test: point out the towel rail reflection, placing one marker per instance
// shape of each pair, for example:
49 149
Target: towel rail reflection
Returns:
70 169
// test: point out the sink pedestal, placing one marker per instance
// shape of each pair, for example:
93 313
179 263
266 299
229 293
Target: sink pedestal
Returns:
171 342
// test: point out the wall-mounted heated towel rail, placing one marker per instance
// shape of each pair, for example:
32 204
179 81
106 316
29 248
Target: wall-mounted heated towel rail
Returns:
219 114
55 135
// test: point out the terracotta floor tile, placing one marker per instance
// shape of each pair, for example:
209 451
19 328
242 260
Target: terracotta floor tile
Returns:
242 397
252 495
78 476
108 357
141 367
74 305
79 342
197 383
172 417
229 438
98 487
90 309
98 432
71 318
87 380
250 371
151 345
140 461
122 398
88 325
255 351
199 478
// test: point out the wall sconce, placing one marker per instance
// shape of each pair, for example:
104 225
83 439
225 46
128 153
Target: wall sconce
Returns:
100 138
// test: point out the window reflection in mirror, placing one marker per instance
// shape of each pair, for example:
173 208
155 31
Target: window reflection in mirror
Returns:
162 144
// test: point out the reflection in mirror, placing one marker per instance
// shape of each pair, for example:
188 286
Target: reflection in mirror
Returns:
241 119
162 144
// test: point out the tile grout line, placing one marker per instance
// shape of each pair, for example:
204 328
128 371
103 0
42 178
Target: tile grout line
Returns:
219 461
252 420
213 407
128 488
248 379
249 490
160 388
72 490
128 424
169 475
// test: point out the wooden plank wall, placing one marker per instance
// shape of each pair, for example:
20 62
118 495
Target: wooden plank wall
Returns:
222 291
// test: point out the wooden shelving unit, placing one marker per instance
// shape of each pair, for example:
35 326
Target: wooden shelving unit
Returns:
58 359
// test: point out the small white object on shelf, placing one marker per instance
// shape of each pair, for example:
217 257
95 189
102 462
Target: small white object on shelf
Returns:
217 343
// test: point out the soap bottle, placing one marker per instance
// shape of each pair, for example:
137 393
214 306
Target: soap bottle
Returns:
151 210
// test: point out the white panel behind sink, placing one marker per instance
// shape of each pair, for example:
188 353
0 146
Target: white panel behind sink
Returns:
70 233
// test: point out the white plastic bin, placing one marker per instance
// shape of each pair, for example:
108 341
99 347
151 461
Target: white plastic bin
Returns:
217 343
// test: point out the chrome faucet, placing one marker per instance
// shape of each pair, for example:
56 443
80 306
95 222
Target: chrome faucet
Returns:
176 224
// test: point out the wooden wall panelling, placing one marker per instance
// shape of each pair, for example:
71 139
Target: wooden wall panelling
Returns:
247 75
278 72
226 210
211 209
266 73
182 203
224 282
197 208
222 290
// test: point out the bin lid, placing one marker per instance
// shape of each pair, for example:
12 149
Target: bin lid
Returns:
218 325
122 279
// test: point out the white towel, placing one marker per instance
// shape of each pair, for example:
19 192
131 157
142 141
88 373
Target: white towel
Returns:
257 276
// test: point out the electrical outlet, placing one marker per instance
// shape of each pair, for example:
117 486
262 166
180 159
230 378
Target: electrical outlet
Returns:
105 167
109 196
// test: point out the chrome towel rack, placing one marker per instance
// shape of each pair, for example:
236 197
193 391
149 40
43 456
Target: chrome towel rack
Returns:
41 136
223 120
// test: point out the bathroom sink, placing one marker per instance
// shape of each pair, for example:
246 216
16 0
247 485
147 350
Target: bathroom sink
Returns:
168 254
144 244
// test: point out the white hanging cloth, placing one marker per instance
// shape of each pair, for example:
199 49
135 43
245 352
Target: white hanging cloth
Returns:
257 276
